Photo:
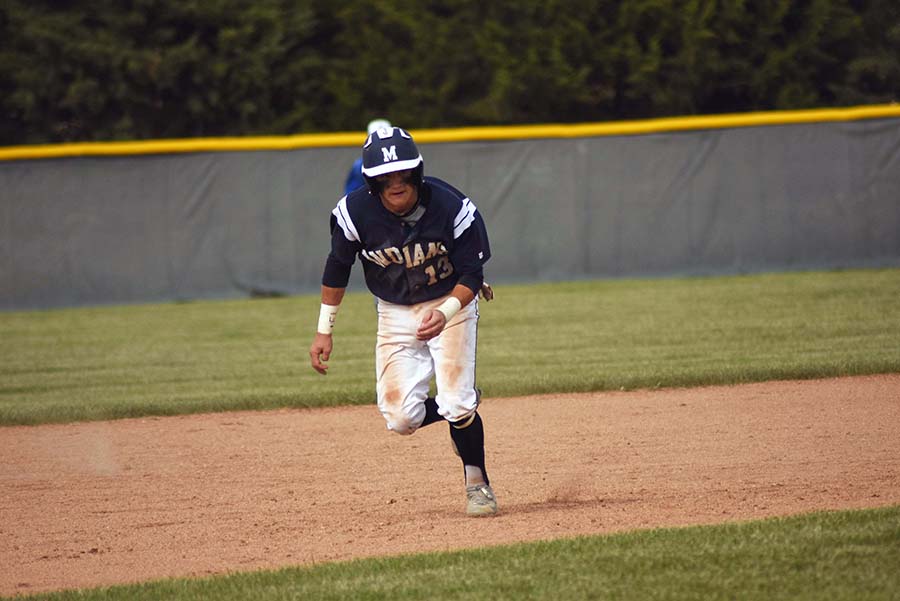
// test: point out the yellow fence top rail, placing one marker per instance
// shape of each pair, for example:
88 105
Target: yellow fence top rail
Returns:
461 134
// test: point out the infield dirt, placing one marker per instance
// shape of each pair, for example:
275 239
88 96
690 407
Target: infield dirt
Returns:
103 503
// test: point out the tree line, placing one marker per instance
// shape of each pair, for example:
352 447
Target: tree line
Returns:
146 69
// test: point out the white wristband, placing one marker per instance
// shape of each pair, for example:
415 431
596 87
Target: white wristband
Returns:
450 307
327 315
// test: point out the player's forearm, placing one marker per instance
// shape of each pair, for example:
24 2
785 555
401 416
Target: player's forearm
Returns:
331 300
332 296
463 294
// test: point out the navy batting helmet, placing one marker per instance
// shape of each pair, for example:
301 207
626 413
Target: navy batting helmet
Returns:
390 149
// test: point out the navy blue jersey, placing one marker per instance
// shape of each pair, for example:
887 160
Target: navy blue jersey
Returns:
408 262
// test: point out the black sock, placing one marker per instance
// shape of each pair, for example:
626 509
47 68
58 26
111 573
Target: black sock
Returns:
431 412
470 444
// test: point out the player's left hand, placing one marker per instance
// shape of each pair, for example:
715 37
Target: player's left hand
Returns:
432 325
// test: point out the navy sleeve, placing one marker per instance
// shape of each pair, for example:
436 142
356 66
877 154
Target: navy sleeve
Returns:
340 259
471 250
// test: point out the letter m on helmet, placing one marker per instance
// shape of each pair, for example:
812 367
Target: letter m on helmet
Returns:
390 154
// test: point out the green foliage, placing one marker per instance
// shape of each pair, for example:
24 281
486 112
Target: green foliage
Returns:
112 362
157 69
841 556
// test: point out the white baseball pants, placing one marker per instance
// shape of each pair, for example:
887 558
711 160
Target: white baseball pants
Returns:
404 365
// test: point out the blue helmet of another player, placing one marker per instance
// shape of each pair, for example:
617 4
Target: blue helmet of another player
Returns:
390 149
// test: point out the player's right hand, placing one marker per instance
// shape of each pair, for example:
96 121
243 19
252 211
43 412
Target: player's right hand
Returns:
320 351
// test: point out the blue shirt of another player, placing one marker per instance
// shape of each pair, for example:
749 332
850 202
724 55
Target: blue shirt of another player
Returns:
355 177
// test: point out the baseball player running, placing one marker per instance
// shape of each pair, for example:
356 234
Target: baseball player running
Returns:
422 244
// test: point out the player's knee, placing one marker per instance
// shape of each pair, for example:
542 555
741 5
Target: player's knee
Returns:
461 407
406 423
403 426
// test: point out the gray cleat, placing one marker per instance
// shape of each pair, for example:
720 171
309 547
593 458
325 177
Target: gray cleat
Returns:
480 500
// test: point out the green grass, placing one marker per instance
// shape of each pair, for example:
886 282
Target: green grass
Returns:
840 556
110 362
127 361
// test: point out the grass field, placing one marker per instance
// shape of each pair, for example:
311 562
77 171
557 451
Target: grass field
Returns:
126 361
840 556
110 362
